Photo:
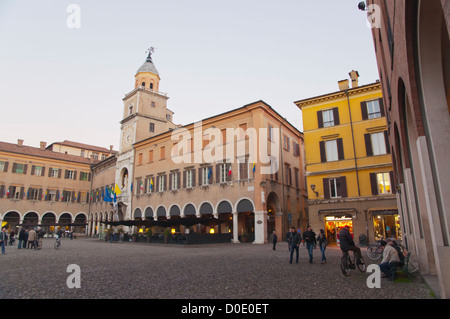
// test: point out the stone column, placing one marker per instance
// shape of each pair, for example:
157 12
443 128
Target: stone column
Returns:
260 227
235 239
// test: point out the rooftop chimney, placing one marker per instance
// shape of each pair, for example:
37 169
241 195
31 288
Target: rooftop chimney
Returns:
354 75
43 145
343 85
20 142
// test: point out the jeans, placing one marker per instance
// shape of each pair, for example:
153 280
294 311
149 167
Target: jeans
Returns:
20 244
3 246
310 247
292 248
322 249
386 269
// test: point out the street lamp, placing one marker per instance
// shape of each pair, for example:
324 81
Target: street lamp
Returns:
313 187
362 6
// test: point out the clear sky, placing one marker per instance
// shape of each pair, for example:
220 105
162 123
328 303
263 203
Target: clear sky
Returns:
59 83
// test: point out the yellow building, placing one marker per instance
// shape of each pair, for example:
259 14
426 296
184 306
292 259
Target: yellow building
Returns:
348 163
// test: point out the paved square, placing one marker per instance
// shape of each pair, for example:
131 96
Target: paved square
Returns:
222 271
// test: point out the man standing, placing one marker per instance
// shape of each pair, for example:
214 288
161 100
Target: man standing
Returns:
294 242
309 236
3 238
274 240
31 238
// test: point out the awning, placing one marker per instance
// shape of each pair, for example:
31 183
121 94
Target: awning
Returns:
185 221
383 211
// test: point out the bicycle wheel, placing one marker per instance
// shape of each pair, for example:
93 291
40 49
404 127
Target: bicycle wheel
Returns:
345 265
362 266
374 252
57 244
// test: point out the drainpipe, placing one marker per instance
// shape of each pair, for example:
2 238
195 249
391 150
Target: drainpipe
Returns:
282 171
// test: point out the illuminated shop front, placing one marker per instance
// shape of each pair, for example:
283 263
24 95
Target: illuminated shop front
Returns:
386 224
334 224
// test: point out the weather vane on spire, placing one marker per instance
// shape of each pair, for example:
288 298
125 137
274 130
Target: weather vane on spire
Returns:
150 51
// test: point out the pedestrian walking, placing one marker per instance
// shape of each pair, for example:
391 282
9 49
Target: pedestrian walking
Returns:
288 240
274 239
294 241
323 242
3 239
309 236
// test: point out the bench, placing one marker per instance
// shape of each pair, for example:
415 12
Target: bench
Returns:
394 267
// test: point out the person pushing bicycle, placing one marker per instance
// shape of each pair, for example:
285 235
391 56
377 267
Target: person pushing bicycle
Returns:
347 243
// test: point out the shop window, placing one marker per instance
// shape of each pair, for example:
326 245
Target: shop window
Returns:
386 226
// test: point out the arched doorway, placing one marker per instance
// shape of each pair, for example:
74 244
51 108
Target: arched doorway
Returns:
224 209
31 219
11 221
48 223
273 206
80 224
206 210
246 221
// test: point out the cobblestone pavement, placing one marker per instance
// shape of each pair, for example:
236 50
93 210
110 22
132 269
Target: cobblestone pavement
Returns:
224 271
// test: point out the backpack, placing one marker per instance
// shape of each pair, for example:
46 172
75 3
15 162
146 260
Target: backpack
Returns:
401 263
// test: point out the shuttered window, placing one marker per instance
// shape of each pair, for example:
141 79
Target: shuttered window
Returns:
335 187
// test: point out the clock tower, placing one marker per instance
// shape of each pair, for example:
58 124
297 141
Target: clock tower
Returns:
145 114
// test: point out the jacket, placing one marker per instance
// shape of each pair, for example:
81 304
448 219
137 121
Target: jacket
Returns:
345 239
294 238
32 235
309 236
390 255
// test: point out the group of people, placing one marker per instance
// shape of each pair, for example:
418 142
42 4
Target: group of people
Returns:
392 254
27 238
294 238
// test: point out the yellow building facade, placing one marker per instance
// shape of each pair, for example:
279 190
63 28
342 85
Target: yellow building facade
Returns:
348 163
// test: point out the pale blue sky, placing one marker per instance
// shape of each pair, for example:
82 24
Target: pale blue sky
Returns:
58 83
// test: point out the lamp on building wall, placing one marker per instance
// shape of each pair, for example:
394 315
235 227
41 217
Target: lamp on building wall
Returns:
362 6
313 187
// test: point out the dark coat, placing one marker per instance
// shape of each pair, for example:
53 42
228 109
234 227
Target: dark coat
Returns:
22 234
294 238
345 239
309 236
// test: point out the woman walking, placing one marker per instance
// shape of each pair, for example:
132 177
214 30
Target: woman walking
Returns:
323 242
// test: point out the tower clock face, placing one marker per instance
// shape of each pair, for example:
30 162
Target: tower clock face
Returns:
127 137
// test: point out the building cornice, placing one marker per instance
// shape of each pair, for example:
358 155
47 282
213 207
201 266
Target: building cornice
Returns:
338 95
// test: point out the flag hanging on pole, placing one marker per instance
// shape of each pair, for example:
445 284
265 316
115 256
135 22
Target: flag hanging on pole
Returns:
107 197
117 190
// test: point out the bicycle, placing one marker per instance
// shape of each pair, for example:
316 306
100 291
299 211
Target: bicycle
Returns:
347 264
37 244
374 251
57 242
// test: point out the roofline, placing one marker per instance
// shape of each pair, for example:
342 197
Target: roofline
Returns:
222 114
337 94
